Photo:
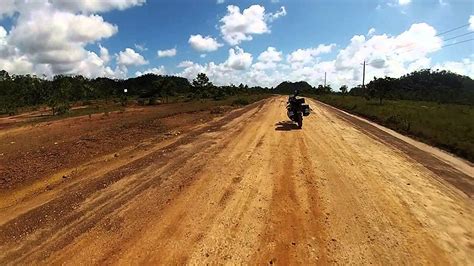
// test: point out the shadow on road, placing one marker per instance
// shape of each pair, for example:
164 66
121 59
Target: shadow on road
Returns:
286 126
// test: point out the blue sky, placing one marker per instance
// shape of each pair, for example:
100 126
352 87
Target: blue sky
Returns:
302 39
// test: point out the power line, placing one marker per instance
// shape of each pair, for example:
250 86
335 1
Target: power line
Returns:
472 32
411 48
451 30
457 43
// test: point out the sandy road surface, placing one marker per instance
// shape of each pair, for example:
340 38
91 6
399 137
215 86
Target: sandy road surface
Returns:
249 188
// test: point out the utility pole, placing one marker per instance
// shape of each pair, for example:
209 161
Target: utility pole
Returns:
324 79
363 75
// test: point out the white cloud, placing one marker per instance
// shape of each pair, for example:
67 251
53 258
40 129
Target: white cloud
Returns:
471 23
443 2
95 5
385 55
50 37
463 67
302 57
371 32
185 64
404 2
237 27
270 55
129 57
268 59
238 59
230 71
280 13
167 53
140 47
8 8
157 71
204 44
220 1
104 54
3 36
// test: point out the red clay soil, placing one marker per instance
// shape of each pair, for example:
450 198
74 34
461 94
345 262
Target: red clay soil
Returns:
31 152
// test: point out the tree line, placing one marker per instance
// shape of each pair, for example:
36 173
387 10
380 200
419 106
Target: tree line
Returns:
18 91
60 92
423 85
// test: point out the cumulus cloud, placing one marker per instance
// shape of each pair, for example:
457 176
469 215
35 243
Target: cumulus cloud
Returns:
204 44
371 32
8 8
276 15
156 70
388 55
167 53
50 37
3 37
129 57
57 39
302 57
104 54
230 71
270 55
94 5
238 59
404 2
268 59
471 23
463 67
239 26
384 54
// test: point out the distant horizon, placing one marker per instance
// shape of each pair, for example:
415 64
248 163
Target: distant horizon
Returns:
237 84
258 43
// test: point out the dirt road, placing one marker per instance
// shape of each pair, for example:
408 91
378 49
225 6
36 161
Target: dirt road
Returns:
248 187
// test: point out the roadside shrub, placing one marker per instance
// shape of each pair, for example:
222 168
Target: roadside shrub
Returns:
62 109
153 101
141 101
240 101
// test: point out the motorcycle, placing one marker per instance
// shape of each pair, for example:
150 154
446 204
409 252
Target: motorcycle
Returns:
296 109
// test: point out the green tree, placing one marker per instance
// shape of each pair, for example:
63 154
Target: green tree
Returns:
202 86
380 87
343 89
201 81
58 100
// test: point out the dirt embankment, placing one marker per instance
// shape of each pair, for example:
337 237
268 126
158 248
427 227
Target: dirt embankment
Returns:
244 188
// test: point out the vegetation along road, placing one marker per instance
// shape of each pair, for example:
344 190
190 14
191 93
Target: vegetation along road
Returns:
242 186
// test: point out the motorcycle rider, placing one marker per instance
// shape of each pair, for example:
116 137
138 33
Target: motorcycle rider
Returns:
291 98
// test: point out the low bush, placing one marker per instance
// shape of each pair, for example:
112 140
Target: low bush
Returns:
240 102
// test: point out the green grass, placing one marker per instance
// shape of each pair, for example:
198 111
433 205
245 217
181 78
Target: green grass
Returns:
448 126
244 99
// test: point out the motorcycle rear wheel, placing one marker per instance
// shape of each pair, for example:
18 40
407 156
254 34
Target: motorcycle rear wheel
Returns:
299 121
